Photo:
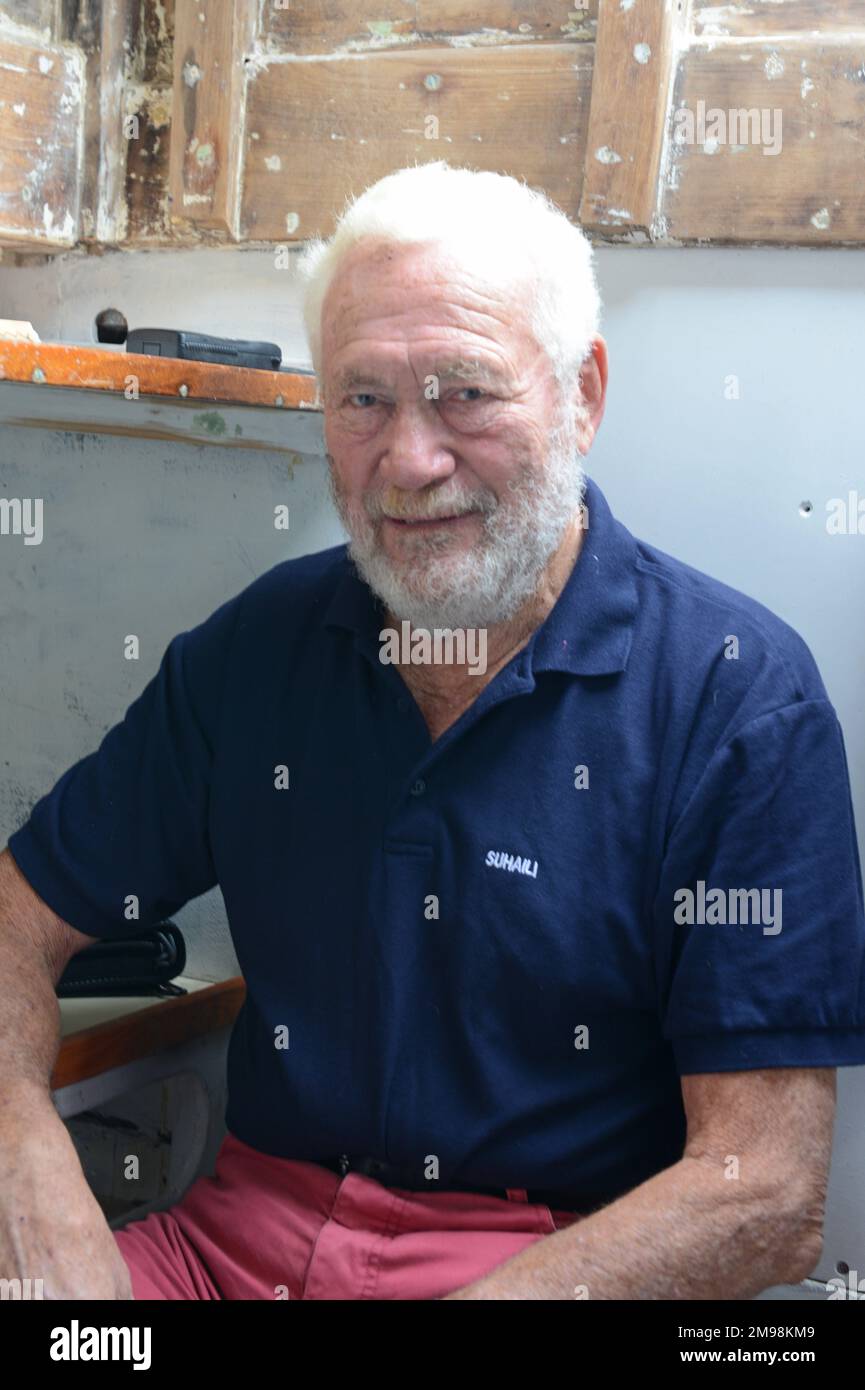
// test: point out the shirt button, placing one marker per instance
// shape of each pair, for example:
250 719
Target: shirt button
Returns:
419 787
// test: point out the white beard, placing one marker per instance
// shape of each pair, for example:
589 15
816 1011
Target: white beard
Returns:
489 583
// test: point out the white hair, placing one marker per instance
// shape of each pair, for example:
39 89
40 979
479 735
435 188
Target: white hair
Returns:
512 234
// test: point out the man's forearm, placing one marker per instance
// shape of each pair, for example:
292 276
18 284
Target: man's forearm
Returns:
29 1012
689 1232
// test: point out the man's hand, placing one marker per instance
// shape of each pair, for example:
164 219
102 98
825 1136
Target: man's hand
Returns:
51 1226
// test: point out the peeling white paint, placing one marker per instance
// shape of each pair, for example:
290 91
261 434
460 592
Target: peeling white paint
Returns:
45 64
191 74
19 107
621 213
292 221
642 52
64 232
359 50
483 38
821 220
626 5
138 97
807 86
773 66
273 163
710 146
160 16
21 33
800 38
607 156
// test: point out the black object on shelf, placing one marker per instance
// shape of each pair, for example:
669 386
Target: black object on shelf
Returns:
143 964
201 347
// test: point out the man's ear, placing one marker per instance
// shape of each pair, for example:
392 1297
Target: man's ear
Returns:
592 392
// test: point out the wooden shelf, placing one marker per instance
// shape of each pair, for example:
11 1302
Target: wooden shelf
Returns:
98 369
141 1032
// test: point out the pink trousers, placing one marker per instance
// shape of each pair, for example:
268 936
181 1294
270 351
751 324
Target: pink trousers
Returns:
278 1228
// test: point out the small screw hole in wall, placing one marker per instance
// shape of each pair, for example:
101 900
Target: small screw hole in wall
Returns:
111 326
806 508
842 1267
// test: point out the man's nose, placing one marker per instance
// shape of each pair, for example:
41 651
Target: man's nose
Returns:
416 451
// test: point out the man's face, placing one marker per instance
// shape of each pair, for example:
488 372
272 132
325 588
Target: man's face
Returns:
440 411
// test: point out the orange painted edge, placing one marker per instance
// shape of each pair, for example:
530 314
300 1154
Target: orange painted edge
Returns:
94 369
119 1041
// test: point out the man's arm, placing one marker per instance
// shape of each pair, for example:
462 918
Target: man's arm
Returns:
51 1226
740 1211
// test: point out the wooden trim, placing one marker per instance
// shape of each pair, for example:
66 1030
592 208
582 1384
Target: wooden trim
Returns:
208 104
41 127
108 170
131 1037
635 55
92 369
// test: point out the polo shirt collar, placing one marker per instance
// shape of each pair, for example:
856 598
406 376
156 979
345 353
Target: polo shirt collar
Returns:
588 631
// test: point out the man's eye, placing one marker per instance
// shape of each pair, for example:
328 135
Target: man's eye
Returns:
475 392
364 397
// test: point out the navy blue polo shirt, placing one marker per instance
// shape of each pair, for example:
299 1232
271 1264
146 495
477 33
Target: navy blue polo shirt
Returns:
480 946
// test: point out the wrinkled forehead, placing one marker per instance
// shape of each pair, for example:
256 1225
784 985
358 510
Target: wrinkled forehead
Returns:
428 284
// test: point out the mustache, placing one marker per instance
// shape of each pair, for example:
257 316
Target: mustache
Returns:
399 505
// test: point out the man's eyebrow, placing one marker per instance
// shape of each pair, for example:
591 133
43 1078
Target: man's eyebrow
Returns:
353 377
470 369
459 369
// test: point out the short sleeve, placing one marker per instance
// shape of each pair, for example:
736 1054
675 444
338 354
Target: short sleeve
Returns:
131 819
772 977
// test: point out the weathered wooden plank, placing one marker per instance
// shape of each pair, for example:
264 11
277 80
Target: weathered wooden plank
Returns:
102 32
148 97
635 58
41 128
211 43
304 26
807 111
756 18
319 130
526 21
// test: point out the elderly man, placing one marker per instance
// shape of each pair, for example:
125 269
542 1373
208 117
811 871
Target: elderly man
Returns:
551 953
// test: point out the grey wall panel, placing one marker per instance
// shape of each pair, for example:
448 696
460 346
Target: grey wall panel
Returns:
141 535
719 483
